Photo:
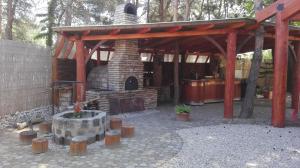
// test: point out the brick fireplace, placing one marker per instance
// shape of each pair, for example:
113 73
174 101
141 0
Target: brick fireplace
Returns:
118 86
125 67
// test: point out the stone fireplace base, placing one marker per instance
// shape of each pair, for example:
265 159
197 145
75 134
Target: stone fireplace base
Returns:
116 102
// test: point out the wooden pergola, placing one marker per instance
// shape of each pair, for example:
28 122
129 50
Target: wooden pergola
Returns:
284 11
225 37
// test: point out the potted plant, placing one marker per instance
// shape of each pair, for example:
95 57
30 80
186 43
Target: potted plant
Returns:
183 112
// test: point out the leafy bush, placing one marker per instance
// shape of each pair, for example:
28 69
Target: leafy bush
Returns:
182 109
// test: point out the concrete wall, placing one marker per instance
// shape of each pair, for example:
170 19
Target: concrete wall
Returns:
25 77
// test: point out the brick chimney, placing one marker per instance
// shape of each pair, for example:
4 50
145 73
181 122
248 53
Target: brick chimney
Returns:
125 69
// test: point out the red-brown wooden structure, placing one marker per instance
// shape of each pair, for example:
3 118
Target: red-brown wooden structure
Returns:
226 37
284 11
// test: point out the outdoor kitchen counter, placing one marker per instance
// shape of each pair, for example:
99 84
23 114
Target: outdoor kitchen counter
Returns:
197 92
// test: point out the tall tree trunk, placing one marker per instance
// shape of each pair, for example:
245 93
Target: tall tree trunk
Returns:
11 10
248 103
208 9
161 11
0 19
51 22
148 11
68 13
175 14
187 10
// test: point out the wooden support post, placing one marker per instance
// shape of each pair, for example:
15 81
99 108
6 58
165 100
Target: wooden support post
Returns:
80 71
182 65
296 83
280 71
230 72
157 69
176 74
55 96
98 57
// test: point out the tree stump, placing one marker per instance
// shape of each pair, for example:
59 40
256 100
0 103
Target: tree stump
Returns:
39 145
26 137
78 146
115 123
127 131
112 138
45 127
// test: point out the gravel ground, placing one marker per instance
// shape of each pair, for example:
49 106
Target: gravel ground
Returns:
238 146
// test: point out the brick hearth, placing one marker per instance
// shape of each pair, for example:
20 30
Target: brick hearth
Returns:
125 64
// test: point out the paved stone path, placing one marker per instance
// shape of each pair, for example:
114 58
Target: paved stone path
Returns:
155 143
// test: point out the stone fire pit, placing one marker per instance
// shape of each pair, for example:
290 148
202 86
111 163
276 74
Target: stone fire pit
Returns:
89 123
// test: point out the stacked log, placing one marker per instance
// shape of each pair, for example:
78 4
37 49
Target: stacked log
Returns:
127 131
115 123
26 137
78 146
112 137
45 127
39 145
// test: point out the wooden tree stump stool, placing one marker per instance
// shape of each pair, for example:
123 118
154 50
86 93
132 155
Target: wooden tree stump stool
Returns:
78 146
45 127
26 137
115 123
112 138
127 131
39 145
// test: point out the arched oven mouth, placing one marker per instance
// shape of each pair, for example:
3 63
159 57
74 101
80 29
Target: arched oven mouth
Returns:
131 83
130 9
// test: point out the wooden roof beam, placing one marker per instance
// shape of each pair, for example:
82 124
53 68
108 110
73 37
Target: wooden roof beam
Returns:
161 42
94 49
143 30
155 35
174 29
295 18
115 32
291 9
205 27
270 10
216 44
236 25
86 32
69 49
59 46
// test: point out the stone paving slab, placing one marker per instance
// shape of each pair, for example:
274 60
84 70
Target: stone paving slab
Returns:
156 141
150 147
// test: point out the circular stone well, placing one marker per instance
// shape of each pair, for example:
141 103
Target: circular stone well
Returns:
89 123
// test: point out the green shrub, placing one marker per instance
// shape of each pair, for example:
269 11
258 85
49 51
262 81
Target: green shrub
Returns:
182 109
